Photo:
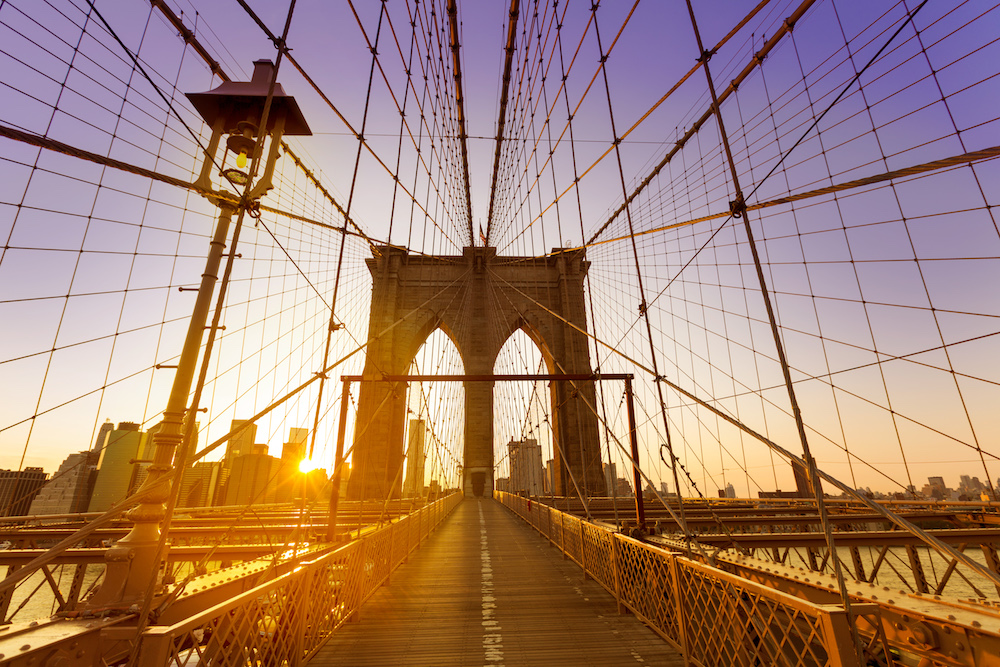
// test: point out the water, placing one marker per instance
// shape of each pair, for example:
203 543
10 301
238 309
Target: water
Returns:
33 598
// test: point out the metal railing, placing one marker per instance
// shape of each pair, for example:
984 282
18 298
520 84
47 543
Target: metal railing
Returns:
711 616
286 620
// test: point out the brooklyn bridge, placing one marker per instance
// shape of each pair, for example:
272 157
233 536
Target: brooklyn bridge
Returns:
533 332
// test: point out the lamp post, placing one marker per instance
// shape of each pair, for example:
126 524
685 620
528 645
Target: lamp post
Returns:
237 109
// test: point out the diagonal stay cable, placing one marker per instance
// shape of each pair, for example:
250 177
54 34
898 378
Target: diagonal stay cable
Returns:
319 91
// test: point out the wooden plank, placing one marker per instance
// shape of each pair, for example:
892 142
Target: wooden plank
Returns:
487 589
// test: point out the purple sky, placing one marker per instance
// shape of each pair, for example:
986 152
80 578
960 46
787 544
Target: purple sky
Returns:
885 294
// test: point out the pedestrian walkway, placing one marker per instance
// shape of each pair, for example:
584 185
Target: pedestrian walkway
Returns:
485 589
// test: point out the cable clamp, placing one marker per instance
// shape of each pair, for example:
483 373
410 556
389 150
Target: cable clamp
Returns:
253 210
737 207
280 45
643 307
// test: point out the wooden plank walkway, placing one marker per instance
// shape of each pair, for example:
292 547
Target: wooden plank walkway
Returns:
485 589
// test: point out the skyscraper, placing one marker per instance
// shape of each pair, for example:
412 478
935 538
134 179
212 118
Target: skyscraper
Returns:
115 467
253 478
525 466
68 492
102 434
413 485
198 484
18 488
610 477
241 443
293 453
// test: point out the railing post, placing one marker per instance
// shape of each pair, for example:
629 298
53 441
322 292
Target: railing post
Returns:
675 581
562 534
362 579
409 536
303 596
640 510
837 637
338 464
154 646
616 572
392 542
583 551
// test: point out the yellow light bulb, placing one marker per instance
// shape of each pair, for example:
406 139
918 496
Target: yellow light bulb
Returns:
241 160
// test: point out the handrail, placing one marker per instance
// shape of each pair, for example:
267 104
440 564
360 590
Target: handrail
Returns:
713 617
287 619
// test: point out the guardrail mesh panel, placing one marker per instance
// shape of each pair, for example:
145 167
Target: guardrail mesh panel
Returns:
598 547
333 596
571 537
729 624
647 588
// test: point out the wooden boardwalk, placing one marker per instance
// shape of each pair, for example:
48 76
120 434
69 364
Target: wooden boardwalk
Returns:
485 589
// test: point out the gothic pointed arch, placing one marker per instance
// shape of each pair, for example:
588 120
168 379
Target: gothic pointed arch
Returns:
478 299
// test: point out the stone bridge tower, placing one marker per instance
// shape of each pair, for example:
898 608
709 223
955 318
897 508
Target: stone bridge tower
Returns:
478 299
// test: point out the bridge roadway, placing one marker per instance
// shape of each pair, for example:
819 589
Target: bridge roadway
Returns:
485 589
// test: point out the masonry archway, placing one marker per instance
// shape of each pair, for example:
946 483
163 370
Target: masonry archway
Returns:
478 299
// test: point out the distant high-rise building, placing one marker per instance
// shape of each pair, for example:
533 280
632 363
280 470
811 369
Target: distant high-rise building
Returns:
115 467
18 489
289 483
238 445
68 492
198 484
623 488
525 457
102 434
610 475
253 478
730 490
413 484
241 443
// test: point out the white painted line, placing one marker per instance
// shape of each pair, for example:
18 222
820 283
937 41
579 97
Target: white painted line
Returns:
492 639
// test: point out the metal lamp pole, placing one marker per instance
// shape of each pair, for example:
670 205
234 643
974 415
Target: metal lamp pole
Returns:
236 109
